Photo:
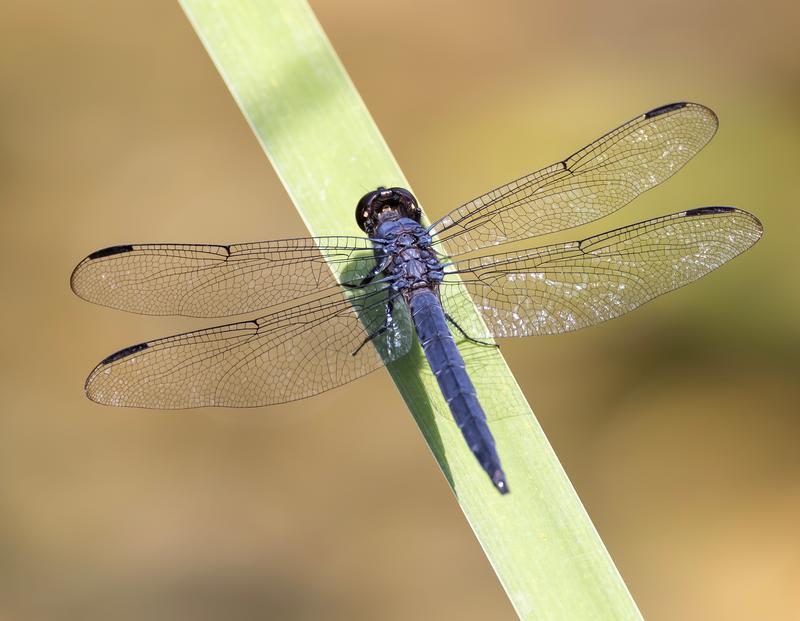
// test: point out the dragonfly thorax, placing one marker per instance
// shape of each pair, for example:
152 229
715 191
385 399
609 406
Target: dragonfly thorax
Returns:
405 248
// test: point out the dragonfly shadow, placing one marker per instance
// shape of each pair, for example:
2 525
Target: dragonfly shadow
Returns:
399 349
408 373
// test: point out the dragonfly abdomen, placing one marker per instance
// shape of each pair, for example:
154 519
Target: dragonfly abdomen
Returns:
448 366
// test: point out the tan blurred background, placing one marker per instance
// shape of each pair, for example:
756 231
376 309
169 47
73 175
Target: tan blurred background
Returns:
678 424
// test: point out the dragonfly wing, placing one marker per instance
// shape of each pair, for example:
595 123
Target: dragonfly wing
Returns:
218 281
594 182
277 358
564 287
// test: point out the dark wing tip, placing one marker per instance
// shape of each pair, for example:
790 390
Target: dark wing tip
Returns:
680 105
107 252
123 353
704 211
97 254
664 109
717 209
119 355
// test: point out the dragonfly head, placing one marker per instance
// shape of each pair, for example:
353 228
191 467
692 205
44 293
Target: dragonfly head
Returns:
386 204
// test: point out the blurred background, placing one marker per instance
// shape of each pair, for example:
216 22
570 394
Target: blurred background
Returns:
678 424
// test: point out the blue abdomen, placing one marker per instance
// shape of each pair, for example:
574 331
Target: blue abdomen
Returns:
448 366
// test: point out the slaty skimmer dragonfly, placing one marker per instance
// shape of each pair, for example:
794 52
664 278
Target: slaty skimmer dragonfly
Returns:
335 308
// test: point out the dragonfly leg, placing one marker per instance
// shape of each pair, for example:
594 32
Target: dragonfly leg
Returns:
359 285
379 267
467 336
387 323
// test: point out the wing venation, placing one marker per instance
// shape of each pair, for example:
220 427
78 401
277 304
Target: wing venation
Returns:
590 184
277 358
564 287
218 281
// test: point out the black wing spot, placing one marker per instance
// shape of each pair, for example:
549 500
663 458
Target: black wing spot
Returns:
704 211
112 250
664 109
124 353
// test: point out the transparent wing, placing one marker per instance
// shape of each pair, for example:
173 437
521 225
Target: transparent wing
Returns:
564 287
592 183
218 281
281 357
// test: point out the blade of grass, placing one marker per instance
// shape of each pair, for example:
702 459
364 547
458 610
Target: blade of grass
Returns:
316 131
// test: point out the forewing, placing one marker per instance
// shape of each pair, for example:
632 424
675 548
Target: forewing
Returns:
597 180
564 287
218 281
281 357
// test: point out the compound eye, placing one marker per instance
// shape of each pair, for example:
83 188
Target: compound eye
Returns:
364 208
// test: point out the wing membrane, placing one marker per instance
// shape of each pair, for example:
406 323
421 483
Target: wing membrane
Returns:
594 182
565 287
218 281
277 358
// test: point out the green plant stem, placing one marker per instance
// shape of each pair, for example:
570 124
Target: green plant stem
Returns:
311 122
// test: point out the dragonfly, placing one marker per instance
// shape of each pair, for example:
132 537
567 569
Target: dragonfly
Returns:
332 309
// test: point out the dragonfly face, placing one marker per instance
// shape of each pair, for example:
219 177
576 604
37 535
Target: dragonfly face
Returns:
309 337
